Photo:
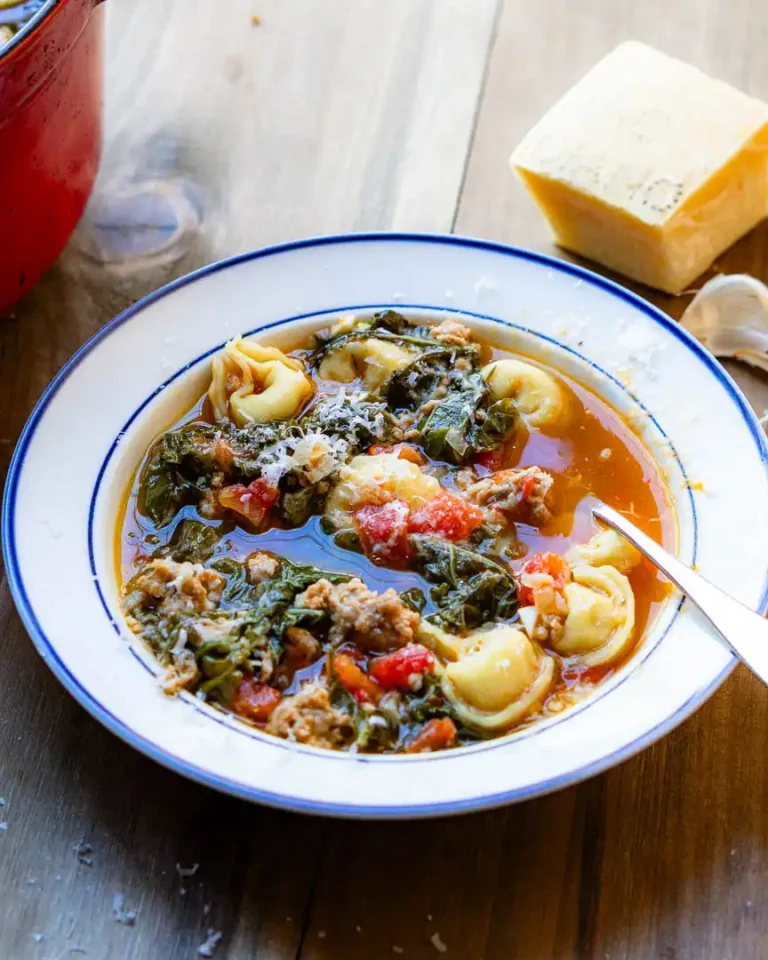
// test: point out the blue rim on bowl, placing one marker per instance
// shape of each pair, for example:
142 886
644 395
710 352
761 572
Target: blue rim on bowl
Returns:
246 791
368 308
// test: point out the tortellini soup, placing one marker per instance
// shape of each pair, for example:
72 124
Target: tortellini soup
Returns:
382 540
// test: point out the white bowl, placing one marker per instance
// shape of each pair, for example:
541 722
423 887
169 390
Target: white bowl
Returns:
128 382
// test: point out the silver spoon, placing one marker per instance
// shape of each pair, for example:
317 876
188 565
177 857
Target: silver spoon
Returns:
745 632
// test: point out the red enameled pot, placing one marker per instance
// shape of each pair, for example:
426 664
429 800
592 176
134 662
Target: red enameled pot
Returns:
50 137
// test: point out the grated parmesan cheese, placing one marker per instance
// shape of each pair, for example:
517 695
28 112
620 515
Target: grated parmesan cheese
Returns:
128 917
319 455
485 285
437 943
279 462
208 947
178 648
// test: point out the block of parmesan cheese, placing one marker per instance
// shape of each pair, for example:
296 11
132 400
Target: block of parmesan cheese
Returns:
649 166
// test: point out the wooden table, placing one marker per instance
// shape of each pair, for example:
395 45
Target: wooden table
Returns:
334 116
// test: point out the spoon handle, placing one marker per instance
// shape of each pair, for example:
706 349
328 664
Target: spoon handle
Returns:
745 632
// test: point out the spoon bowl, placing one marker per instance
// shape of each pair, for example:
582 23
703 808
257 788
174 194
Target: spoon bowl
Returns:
743 630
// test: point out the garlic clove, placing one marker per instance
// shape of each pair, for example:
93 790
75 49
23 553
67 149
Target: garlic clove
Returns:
729 316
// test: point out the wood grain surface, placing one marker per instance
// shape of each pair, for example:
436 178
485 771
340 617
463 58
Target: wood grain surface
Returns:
329 116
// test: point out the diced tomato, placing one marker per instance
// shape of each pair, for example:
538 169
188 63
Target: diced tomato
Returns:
384 529
223 454
255 700
264 492
489 460
251 502
448 516
550 563
362 687
383 532
403 451
434 735
528 486
394 671
596 674
406 452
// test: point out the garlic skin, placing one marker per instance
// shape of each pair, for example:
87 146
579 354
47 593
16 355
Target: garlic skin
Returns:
729 316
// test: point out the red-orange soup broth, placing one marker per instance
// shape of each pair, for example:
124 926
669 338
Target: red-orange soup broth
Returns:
593 454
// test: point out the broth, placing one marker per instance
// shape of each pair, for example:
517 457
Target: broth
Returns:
598 456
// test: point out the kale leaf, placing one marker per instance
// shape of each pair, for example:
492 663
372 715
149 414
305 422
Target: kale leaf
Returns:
358 420
501 419
296 506
485 598
267 602
410 387
414 599
276 596
447 430
386 322
464 424
393 322
429 703
375 729
353 423
386 325
256 445
244 632
175 471
471 589
191 540
182 462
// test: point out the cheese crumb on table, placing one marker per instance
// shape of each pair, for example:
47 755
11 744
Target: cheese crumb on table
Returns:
210 945
649 166
437 943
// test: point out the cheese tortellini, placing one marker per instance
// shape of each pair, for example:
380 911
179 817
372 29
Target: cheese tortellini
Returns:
606 548
376 479
498 678
348 323
251 383
372 360
541 400
446 645
601 615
